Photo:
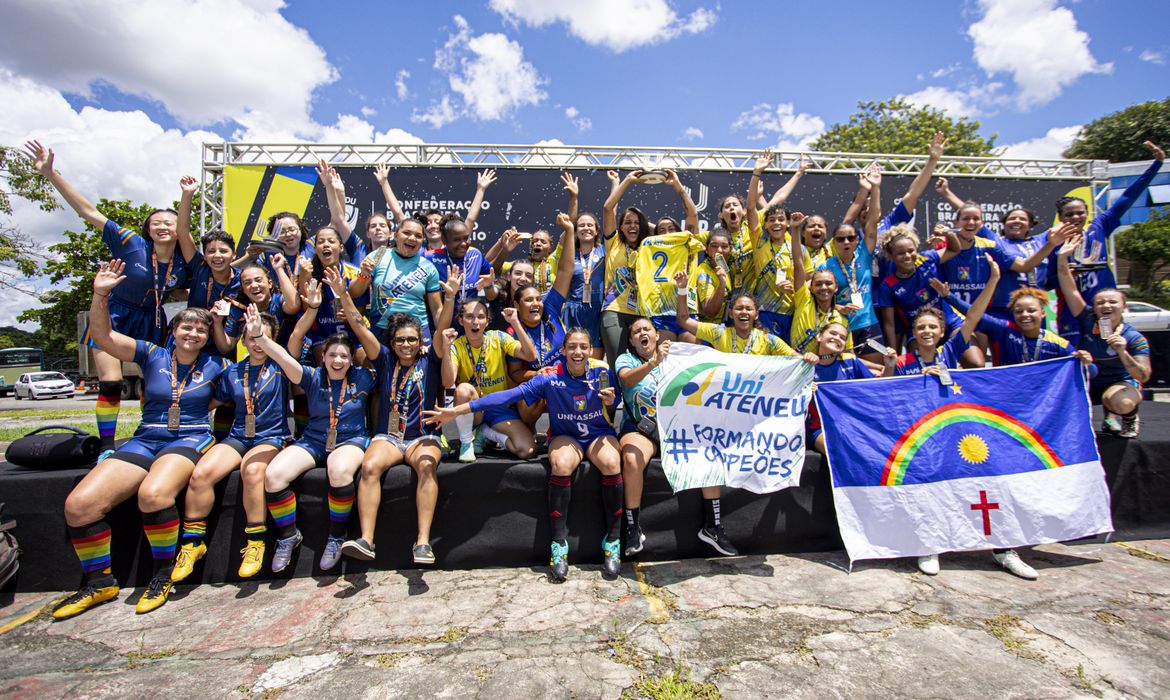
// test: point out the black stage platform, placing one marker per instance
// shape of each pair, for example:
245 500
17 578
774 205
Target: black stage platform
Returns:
493 513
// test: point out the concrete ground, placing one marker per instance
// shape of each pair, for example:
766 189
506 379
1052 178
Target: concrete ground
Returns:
1096 624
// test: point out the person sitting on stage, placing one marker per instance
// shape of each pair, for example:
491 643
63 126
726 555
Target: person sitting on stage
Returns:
1120 352
259 392
154 268
337 395
638 372
157 462
578 395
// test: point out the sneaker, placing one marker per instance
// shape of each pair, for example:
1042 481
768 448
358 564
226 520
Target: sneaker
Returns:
106 454
185 560
612 563
559 563
718 541
157 592
1111 424
444 446
423 554
358 549
1014 565
284 551
479 441
635 539
332 553
253 553
928 564
86 598
1129 427
466 452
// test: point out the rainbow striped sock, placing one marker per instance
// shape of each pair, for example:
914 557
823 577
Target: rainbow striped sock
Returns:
92 545
255 531
282 505
162 531
194 531
340 506
106 414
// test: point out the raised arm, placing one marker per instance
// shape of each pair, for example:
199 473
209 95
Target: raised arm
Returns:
335 197
43 163
1068 286
954 246
918 186
862 196
483 181
353 317
1056 239
1112 216
290 301
527 351
799 276
688 202
187 243
755 189
681 313
943 187
573 187
382 175
451 287
781 196
979 306
100 330
873 213
568 246
311 301
617 188
498 254
254 327
630 376
224 343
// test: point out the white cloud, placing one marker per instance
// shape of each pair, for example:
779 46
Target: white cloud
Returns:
1050 145
368 112
202 69
438 115
618 25
953 103
794 131
400 84
1037 43
574 116
1150 56
692 133
555 152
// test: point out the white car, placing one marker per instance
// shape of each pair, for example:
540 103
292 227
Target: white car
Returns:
1146 317
41 385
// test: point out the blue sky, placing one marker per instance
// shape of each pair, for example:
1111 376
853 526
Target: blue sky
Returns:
126 91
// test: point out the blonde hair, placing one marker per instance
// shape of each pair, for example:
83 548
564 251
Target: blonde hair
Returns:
899 231
1022 292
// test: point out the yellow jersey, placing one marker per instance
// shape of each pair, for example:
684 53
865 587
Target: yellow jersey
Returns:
484 368
544 273
768 258
703 285
724 339
808 322
620 264
659 258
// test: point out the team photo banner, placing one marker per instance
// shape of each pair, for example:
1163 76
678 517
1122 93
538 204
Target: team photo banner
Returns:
732 420
1003 457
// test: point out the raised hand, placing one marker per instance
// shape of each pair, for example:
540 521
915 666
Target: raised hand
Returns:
939 234
937 145
942 186
450 334
485 281
336 282
312 295
1159 154
795 219
802 168
571 185
188 184
278 261
511 238
453 283
941 288
42 157
672 179
108 276
613 176
253 326
993 267
607 395
367 267
509 315
680 279
485 179
324 172
662 351
381 172
565 222
221 308
873 175
763 162
1070 246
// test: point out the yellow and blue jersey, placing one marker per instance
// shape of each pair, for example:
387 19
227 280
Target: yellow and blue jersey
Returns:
724 339
484 367
808 322
767 258
658 259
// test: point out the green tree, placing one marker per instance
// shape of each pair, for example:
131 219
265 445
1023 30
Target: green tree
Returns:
20 256
1147 244
1118 137
896 126
71 269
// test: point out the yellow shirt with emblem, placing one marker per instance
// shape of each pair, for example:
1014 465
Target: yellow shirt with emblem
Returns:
724 339
659 258
491 357
807 322
620 265
767 257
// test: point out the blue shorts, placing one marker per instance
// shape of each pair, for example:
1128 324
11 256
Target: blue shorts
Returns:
777 324
494 416
668 323
316 447
241 444
1098 386
585 442
135 322
862 335
587 316
153 441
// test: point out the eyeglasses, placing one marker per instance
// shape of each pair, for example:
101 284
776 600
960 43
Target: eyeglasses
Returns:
845 239
406 340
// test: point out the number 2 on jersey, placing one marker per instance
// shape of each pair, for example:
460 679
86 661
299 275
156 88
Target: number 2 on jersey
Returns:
660 258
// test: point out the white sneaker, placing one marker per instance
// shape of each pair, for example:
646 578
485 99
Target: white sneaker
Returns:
928 564
1014 565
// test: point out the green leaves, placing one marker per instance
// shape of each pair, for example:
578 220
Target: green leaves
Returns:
1118 137
1147 243
896 126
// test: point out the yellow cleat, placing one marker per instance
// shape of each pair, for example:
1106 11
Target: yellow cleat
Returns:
185 561
155 596
253 557
88 597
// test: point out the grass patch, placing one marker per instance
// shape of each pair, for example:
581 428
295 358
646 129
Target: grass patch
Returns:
454 634
1082 682
1003 628
674 685
126 428
621 651
138 658
1108 618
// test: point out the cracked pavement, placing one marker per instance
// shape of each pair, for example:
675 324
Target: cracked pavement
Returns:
1096 624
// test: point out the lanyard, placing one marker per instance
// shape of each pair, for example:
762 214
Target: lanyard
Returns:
177 390
587 264
751 340
541 349
818 323
158 293
1028 357
850 270
335 414
246 384
478 366
541 274
399 398
937 359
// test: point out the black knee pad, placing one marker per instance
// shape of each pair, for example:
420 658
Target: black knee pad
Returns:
111 388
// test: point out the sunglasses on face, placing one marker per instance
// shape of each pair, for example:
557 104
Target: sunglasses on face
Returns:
406 340
845 239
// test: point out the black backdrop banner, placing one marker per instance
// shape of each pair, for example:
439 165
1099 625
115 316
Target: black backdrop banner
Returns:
529 199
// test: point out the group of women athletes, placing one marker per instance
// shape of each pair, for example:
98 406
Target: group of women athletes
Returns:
408 327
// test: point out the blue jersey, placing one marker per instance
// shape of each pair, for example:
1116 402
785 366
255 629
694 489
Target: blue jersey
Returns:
1109 367
353 251
595 261
843 368
640 400
855 278
1011 249
548 337
350 408
1014 348
967 273
233 325
268 389
327 322
947 355
414 389
908 295
401 284
899 215
205 291
574 408
194 385
473 265
147 281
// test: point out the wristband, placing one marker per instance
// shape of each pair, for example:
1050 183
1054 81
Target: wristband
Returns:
681 292
364 277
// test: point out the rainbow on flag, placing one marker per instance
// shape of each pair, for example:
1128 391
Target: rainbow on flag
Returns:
1003 457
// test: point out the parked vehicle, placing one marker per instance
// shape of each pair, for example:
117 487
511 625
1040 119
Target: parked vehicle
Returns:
1146 317
42 385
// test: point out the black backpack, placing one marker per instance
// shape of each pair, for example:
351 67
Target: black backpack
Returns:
9 550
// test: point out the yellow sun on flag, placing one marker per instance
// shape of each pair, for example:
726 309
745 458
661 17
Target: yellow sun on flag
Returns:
973 449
